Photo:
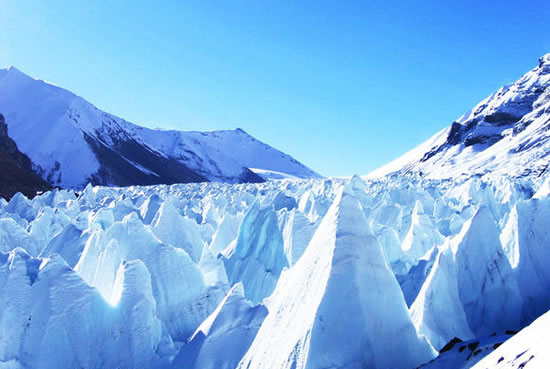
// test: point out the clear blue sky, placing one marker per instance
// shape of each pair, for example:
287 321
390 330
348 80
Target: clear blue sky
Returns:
343 86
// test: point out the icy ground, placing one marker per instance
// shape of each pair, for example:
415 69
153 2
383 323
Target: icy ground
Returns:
285 274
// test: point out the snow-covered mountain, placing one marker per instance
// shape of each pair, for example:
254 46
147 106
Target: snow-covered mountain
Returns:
505 134
70 143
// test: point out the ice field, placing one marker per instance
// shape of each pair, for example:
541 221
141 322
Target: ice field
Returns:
330 273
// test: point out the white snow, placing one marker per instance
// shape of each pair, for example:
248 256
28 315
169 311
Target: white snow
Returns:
527 349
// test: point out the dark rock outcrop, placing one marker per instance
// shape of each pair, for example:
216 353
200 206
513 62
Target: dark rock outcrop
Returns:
16 168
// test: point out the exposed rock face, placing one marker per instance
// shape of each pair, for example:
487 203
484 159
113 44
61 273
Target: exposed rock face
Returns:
6 142
16 168
3 127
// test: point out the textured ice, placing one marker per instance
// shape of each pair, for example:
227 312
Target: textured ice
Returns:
225 335
333 302
298 274
52 318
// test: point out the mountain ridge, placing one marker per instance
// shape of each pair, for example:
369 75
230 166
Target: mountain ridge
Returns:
71 142
506 133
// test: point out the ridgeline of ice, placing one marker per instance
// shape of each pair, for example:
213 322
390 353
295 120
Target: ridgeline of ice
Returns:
287 274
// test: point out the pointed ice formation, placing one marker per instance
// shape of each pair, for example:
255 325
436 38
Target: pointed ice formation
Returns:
224 337
52 319
422 234
21 206
13 235
175 230
134 297
437 311
144 272
526 241
297 233
150 207
339 306
226 232
258 257
182 296
68 243
486 285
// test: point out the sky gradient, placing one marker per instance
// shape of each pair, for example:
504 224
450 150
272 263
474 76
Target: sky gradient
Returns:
343 86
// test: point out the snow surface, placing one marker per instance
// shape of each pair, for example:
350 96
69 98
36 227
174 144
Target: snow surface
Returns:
51 125
465 355
284 274
527 349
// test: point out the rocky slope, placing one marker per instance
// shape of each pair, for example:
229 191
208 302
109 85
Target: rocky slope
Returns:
16 169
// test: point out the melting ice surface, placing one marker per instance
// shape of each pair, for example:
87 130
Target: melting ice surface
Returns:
286 274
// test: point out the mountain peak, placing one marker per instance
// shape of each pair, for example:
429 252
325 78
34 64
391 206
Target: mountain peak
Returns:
15 71
13 74
544 64
544 60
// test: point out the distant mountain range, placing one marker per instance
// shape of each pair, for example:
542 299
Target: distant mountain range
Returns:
505 134
71 143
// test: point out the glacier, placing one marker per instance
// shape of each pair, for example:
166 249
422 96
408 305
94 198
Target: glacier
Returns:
319 273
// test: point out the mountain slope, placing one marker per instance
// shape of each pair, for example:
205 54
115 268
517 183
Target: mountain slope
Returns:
71 143
527 349
506 134
17 174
